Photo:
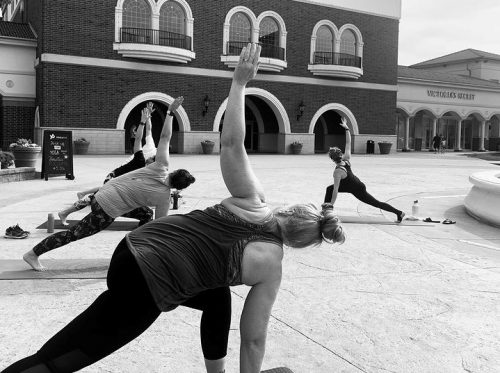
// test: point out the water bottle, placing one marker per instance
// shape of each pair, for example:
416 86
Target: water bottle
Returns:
50 223
414 208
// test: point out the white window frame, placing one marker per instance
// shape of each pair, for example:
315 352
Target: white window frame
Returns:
265 63
151 51
333 70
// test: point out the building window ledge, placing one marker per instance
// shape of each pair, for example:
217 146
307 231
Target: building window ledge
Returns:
265 63
154 52
336 71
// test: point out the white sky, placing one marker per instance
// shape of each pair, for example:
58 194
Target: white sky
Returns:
434 28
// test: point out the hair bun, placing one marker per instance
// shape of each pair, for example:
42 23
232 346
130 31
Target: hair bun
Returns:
331 228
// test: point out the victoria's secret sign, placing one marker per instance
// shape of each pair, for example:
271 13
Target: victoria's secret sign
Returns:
451 94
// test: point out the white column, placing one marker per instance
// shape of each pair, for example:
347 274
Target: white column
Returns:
407 134
458 145
434 127
481 136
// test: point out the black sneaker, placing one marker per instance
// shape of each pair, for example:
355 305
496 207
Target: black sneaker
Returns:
16 232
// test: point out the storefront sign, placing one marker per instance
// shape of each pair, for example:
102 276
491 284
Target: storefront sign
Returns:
451 94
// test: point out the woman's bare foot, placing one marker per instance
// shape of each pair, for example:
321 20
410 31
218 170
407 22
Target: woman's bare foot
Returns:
80 195
32 259
63 218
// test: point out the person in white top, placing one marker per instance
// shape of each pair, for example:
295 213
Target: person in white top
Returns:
147 186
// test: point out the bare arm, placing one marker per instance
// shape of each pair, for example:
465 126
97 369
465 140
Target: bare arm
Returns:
163 152
140 131
162 209
347 151
150 108
236 170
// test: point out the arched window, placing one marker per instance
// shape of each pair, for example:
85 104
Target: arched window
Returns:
172 18
348 42
240 32
173 25
136 14
324 46
269 39
166 26
348 49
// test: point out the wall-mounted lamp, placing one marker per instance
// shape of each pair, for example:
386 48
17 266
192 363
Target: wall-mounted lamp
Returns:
206 104
302 107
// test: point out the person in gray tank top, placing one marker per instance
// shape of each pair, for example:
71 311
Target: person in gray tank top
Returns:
120 196
175 259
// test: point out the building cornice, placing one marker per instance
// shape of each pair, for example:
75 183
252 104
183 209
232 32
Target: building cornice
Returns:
194 71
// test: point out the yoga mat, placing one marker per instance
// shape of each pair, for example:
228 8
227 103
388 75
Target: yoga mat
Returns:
11 269
381 221
117 225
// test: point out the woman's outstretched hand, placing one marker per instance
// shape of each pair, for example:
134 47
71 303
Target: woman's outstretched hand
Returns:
344 123
248 64
175 105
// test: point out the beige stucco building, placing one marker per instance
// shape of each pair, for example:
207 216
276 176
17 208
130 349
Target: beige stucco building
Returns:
457 96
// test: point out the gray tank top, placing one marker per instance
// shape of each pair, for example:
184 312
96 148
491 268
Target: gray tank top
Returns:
183 255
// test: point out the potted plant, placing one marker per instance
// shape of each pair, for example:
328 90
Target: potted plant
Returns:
6 159
207 146
81 146
296 147
385 147
25 152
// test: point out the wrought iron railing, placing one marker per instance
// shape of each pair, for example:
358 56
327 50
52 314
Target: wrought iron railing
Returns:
268 50
332 58
155 37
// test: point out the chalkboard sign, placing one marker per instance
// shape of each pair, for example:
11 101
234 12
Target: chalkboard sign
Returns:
57 154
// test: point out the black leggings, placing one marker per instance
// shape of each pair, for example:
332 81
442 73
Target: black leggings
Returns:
365 197
121 314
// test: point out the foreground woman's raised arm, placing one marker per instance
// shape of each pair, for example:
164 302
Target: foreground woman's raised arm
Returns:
236 170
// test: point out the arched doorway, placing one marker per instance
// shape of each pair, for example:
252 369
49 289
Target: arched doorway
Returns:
328 132
265 119
325 125
131 116
157 119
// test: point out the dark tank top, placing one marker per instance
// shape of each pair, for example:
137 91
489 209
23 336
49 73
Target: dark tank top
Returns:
351 183
183 255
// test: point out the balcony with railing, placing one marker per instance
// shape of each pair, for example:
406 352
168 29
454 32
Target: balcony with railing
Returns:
272 58
154 44
342 65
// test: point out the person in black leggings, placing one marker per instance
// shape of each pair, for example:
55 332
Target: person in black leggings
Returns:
126 309
344 181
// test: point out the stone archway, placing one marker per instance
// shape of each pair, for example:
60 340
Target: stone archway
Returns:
327 134
181 115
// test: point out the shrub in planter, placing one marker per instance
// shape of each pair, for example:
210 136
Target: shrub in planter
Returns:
25 152
385 147
81 146
207 146
6 159
296 147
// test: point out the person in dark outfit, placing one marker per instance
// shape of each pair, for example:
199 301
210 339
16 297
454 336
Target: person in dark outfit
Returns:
138 160
344 181
175 259
436 143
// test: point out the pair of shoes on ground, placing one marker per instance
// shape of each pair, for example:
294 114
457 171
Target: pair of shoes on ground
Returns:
445 221
16 232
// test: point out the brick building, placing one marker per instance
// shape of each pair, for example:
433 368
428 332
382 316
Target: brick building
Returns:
97 63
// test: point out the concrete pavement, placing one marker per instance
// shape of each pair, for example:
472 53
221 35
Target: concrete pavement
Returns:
416 297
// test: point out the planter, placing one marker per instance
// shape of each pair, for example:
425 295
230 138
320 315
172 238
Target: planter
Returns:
26 157
207 147
385 147
80 147
296 148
